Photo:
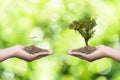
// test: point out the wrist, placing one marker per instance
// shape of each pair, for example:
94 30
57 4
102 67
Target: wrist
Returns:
107 51
12 51
15 51
6 53
104 50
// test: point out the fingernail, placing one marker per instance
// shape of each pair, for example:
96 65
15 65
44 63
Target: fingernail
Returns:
50 51
69 51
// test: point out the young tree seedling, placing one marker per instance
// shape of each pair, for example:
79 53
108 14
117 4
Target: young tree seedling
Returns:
85 27
33 39
32 49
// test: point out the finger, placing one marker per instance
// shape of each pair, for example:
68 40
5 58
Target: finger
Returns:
79 55
69 52
83 57
40 55
76 54
44 53
50 51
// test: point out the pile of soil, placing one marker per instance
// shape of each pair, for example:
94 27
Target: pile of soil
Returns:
32 49
86 49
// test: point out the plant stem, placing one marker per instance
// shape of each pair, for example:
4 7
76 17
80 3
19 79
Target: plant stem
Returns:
33 41
86 42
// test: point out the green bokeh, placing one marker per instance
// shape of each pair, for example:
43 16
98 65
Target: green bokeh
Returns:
49 20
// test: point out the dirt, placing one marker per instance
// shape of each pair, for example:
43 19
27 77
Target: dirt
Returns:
33 50
85 50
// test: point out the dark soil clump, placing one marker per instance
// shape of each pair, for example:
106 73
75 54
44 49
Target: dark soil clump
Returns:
86 50
32 49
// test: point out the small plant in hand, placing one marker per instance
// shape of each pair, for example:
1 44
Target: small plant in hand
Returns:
32 49
85 27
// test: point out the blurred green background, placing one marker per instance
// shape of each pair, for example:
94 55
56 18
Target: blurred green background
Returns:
49 20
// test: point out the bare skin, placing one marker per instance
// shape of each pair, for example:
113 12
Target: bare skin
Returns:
101 52
17 51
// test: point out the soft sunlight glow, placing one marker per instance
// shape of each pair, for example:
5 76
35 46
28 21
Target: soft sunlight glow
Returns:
7 75
104 67
44 44
45 68
37 33
101 78
54 4
34 1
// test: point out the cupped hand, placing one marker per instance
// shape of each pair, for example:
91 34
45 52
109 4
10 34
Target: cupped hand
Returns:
20 53
99 53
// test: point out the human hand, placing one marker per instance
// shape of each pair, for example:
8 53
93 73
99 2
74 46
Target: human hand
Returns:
102 51
17 51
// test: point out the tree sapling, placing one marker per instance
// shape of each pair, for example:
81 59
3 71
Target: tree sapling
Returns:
85 27
32 49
